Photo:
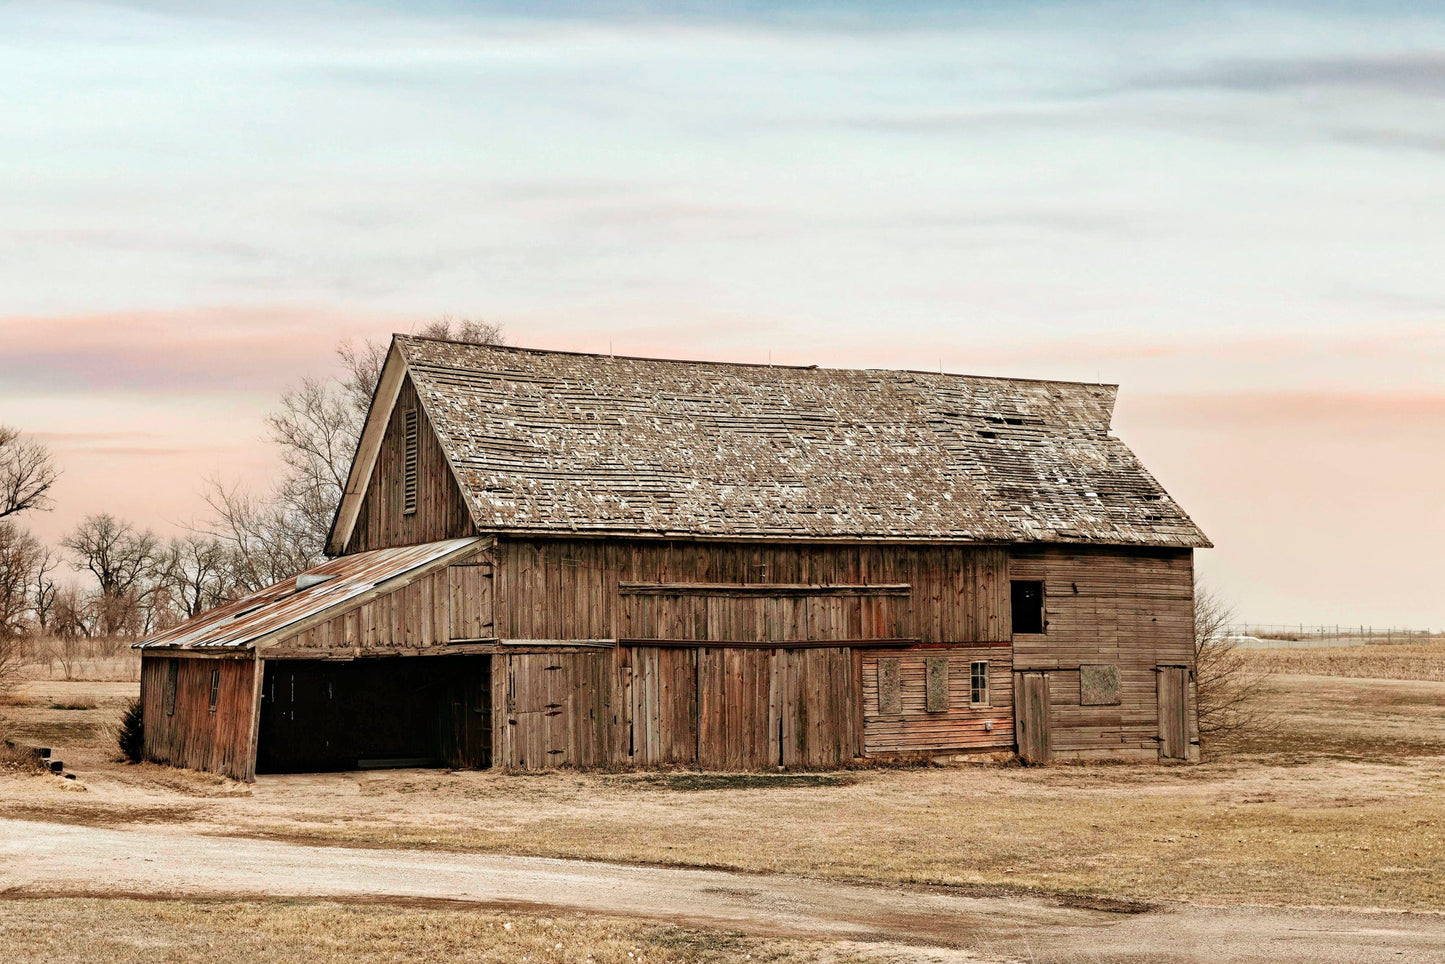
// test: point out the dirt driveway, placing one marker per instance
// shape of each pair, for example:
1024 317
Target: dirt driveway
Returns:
43 858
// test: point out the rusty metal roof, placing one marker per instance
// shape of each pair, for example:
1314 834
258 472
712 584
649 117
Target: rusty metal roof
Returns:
561 442
241 624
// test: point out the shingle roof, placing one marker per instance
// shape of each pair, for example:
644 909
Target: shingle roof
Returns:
555 441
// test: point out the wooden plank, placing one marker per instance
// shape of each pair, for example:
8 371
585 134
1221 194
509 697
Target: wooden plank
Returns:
765 643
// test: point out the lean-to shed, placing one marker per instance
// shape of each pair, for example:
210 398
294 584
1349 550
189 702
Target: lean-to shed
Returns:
546 558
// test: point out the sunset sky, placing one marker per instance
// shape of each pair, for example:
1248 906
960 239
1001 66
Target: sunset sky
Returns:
1237 212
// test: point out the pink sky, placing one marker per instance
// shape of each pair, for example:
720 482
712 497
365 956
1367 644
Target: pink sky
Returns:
1320 500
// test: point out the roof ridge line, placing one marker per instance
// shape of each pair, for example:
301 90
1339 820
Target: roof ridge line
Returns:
523 349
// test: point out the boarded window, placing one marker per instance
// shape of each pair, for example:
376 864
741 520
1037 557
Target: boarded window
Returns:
1028 606
1099 684
173 673
215 688
409 433
978 683
935 676
890 694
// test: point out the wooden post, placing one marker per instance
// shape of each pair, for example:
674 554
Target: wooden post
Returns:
254 743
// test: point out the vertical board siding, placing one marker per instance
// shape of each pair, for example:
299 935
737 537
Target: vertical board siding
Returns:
441 512
194 736
568 589
725 708
449 604
1128 608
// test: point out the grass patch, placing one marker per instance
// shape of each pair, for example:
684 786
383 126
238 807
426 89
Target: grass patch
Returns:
73 705
16 760
128 931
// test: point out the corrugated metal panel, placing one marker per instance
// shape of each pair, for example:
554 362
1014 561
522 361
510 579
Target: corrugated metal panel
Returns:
561 442
239 624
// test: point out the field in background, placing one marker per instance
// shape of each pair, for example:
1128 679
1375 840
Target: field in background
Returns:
101 659
1402 662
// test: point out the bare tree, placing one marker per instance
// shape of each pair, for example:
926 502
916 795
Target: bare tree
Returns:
43 588
265 539
121 558
1228 689
276 534
19 555
195 572
27 471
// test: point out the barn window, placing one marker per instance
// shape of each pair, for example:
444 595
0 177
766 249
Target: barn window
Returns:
215 688
1028 606
890 692
173 674
1099 684
978 683
935 677
408 432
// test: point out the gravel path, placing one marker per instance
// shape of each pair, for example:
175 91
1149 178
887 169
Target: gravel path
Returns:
40 858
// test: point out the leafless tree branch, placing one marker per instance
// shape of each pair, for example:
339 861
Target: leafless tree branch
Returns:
27 471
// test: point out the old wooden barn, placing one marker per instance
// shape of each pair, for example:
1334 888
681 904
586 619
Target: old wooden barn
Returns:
547 559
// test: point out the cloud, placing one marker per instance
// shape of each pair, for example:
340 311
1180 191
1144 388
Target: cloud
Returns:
1416 75
205 349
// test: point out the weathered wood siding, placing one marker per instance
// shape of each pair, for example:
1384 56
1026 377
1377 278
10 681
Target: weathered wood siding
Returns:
910 727
1128 608
664 696
450 604
573 589
440 512
181 726
724 709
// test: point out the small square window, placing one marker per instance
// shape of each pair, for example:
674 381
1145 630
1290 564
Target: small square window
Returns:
978 683
1028 606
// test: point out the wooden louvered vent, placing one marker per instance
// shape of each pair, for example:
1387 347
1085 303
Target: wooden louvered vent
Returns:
409 431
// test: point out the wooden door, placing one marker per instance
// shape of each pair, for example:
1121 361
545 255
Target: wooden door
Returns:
1174 712
1031 716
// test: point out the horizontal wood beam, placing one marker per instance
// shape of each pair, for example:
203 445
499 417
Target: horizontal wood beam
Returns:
891 642
727 589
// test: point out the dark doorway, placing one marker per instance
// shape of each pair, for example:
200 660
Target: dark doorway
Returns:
319 715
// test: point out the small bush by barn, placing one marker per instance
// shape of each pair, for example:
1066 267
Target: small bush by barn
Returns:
130 734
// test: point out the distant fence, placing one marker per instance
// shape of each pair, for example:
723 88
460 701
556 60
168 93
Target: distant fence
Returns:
1273 635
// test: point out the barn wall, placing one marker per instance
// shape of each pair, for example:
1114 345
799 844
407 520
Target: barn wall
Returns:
913 728
448 605
182 729
440 513
1130 608
573 589
721 709
743 706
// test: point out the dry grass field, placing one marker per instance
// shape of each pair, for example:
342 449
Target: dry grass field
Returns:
126 931
1413 662
1342 802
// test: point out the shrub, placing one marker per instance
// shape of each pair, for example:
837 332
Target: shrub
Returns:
130 735
1229 688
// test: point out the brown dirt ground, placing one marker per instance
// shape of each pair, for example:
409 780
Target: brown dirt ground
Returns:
1340 805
